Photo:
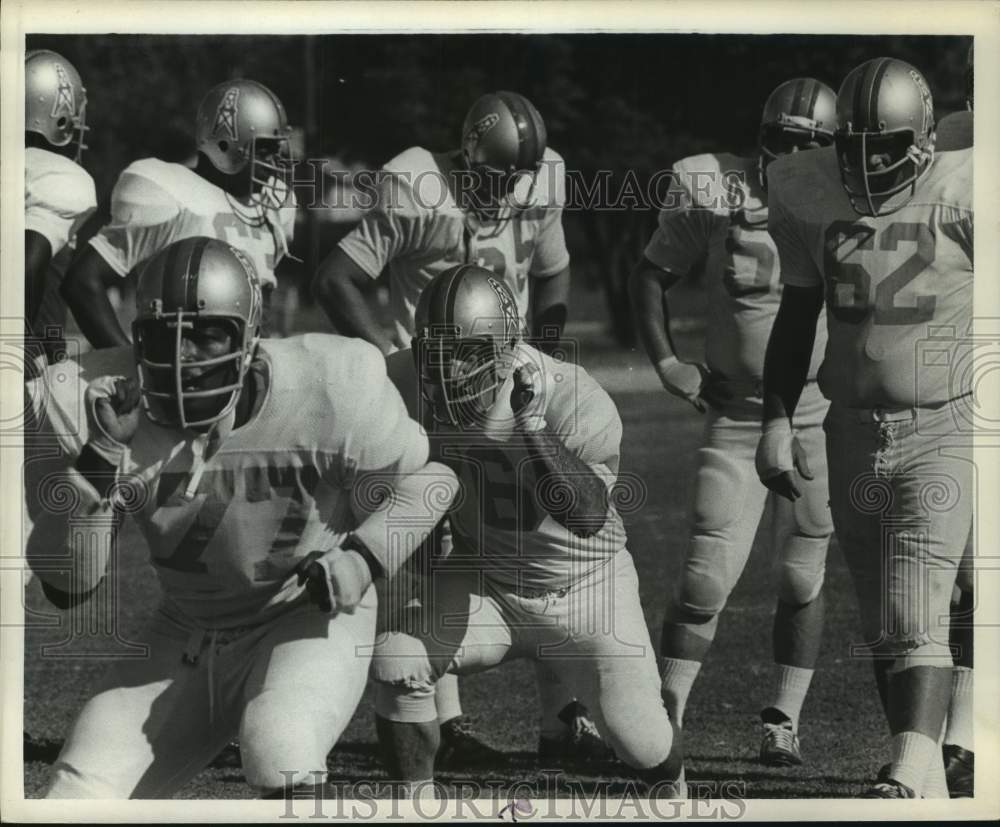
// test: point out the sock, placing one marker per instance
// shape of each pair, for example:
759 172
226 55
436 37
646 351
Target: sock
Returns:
678 678
960 712
446 698
420 790
935 784
790 691
912 753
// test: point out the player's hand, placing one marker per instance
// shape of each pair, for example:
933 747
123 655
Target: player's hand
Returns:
684 379
527 398
779 456
336 581
113 414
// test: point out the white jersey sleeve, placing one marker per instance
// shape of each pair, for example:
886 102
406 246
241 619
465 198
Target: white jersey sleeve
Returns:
59 196
797 265
143 221
551 255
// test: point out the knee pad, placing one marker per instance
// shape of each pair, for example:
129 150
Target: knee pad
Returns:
802 567
921 651
399 658
704 585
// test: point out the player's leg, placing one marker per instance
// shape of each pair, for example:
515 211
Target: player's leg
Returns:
149 728
728 501
457 628
608 654
958 750
306 677
801 536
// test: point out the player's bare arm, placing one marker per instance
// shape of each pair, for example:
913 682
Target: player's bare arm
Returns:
549 303
648 288
85 290
37 253
786 367
340 287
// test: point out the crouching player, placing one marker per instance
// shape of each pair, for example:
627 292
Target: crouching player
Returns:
539 567
251 467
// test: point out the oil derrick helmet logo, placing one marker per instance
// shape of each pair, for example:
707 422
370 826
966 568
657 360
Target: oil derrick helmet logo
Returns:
479 128
507 307
225 115
65 103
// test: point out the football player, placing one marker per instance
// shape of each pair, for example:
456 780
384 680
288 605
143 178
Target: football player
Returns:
954 131
539 568
264 475
880 227
58 193
496 202
717 215
238 193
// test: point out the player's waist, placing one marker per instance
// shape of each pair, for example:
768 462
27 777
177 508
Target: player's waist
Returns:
897 413
749 387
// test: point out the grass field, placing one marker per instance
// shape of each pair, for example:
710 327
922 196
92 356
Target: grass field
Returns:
843 732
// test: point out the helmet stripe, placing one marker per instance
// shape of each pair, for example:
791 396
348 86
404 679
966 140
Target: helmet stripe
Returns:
451 292
193 268
527 135
168 294
811 111
797 95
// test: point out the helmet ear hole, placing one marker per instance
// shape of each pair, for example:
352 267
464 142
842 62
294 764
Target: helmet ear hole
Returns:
223 146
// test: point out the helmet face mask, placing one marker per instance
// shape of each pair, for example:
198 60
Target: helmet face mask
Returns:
885 141
196 332
55 101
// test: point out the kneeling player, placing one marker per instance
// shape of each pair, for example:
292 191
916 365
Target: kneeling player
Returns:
539 568
251 469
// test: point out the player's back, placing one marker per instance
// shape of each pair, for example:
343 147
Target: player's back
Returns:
155 203
890 280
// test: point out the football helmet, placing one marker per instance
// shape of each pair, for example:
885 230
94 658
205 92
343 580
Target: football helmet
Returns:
55 100
190 282
467 326
242 124
885 137
799 114
503 141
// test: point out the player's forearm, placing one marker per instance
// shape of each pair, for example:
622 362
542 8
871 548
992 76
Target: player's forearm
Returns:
71 539
789 351
346 305
567 488
549 309
37 253
88 301
648 287
402 512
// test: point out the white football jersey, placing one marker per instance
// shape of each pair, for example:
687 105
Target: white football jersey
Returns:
276 488
417 230
156 203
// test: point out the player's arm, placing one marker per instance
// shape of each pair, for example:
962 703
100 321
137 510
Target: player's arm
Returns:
681 239
397 498
341 287
80 510
549 307
37 254
569 489
85 290
787 358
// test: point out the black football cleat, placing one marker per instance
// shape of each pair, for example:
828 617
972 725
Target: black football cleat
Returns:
780 745
959 766
579 745
461 747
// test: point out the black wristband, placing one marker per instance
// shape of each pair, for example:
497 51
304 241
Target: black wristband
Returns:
353 543
96 470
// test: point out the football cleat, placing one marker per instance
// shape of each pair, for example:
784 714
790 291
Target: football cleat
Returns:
886 787
230 758
579 745
780 744
959 770
461 747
